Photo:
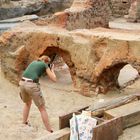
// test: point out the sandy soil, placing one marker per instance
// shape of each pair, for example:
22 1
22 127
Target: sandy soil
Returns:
60 98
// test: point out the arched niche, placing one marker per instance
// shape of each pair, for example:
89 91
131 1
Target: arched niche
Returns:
108 79
53 52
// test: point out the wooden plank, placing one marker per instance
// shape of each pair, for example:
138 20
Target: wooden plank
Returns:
99 120
99 109
129 112
109 130
63 134
64 119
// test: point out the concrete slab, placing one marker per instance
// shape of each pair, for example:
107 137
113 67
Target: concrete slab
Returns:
121 23
20 19
5 26
10 23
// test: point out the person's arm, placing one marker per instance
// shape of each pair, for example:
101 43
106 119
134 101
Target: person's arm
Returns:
51 74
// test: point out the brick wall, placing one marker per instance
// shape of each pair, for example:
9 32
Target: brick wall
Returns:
119 8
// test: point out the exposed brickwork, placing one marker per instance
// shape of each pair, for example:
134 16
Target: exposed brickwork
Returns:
94 57
119 8
82 14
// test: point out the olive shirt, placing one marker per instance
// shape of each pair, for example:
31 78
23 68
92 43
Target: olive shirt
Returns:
35 70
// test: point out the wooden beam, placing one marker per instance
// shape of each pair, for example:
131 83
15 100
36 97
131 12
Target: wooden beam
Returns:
129 112
108 130
99 109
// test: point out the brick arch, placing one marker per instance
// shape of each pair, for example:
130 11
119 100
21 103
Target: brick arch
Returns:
25 57
108 79
52 50
109 76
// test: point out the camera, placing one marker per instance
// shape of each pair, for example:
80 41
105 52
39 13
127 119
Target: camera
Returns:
50 65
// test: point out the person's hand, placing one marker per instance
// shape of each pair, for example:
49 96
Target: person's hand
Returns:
51 74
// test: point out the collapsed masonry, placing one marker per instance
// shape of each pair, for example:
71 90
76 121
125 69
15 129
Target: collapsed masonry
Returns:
94 56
